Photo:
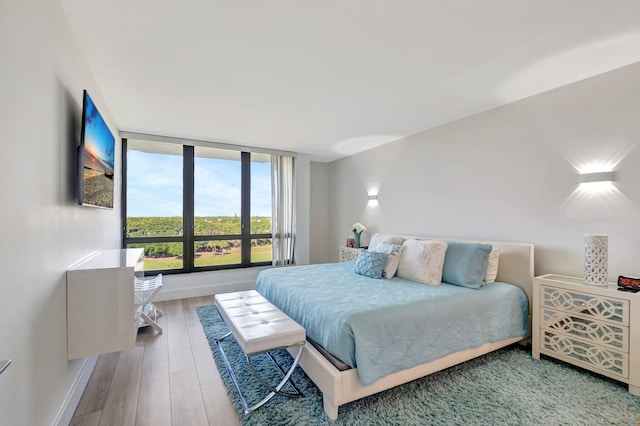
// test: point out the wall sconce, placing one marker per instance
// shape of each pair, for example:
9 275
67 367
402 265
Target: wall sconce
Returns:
598 177
373 197
596 182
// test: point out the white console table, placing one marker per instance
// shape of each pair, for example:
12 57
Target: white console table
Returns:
100 302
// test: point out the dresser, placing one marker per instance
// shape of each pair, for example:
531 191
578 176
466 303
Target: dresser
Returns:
597 328
349 254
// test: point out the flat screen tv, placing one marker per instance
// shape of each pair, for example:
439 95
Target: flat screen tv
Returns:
95 158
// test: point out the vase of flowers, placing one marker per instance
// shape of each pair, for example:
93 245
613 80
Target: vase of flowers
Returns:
357 231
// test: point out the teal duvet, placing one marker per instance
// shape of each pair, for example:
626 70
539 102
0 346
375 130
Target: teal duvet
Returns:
383 326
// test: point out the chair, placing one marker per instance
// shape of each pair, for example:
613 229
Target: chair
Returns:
146 312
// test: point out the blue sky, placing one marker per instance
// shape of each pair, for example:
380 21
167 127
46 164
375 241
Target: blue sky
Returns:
154 186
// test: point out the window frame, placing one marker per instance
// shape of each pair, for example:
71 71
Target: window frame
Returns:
188 237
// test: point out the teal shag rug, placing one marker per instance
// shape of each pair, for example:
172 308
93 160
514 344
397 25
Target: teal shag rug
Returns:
505 387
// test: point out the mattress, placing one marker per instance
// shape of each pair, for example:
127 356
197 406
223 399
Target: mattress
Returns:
383 326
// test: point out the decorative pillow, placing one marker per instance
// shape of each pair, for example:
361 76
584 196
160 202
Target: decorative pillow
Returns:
422 261
394 251
465 264
378 238
492 266
371 264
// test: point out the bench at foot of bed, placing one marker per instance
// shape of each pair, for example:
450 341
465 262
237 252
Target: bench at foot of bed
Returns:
259 327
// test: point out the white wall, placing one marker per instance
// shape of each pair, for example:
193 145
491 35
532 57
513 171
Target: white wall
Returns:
321 248
508 174
43 230
181 286
303 214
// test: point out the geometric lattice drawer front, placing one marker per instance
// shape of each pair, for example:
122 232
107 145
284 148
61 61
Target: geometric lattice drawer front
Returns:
594 357
598 332
348 256
599 307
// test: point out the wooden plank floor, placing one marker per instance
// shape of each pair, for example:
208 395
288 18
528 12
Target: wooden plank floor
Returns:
167 379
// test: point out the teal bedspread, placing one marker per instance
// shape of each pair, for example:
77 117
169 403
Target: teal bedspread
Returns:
383 326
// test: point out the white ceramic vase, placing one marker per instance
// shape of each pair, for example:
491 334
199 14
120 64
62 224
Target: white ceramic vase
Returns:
596 259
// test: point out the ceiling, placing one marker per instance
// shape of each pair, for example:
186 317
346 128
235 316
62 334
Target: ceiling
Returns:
331 78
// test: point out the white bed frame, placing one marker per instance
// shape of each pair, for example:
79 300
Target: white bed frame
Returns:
340 387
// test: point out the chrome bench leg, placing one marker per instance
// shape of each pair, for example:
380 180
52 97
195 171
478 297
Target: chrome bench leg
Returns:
274 391
285 379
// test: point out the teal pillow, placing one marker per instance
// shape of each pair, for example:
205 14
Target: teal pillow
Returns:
371 263
465 264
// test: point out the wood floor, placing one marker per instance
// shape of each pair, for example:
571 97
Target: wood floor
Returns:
167 379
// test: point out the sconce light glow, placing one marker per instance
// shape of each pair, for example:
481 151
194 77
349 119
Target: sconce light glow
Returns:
593 188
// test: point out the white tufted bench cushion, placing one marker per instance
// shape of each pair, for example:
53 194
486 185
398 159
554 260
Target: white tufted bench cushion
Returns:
256 324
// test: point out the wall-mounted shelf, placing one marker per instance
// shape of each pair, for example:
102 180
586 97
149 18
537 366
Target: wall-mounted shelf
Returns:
100 302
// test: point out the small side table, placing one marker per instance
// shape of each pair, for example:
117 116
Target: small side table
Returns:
348 254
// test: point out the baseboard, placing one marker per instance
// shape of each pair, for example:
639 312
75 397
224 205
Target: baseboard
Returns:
73 398
208 290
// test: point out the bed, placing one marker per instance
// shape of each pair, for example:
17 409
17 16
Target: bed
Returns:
367 335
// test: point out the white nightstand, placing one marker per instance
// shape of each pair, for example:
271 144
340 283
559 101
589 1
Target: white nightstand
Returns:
348 254
597 328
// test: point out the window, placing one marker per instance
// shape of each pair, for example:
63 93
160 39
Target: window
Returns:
195 208
154 203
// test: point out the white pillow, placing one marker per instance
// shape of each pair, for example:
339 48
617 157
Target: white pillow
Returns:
378 238
393 260
422 261
492 266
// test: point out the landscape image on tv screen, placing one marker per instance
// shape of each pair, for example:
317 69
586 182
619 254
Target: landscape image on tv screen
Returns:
98 158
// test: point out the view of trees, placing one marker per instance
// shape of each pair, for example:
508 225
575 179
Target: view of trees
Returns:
172 226
154 226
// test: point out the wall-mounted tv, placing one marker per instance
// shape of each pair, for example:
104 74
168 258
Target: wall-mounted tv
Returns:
95 158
